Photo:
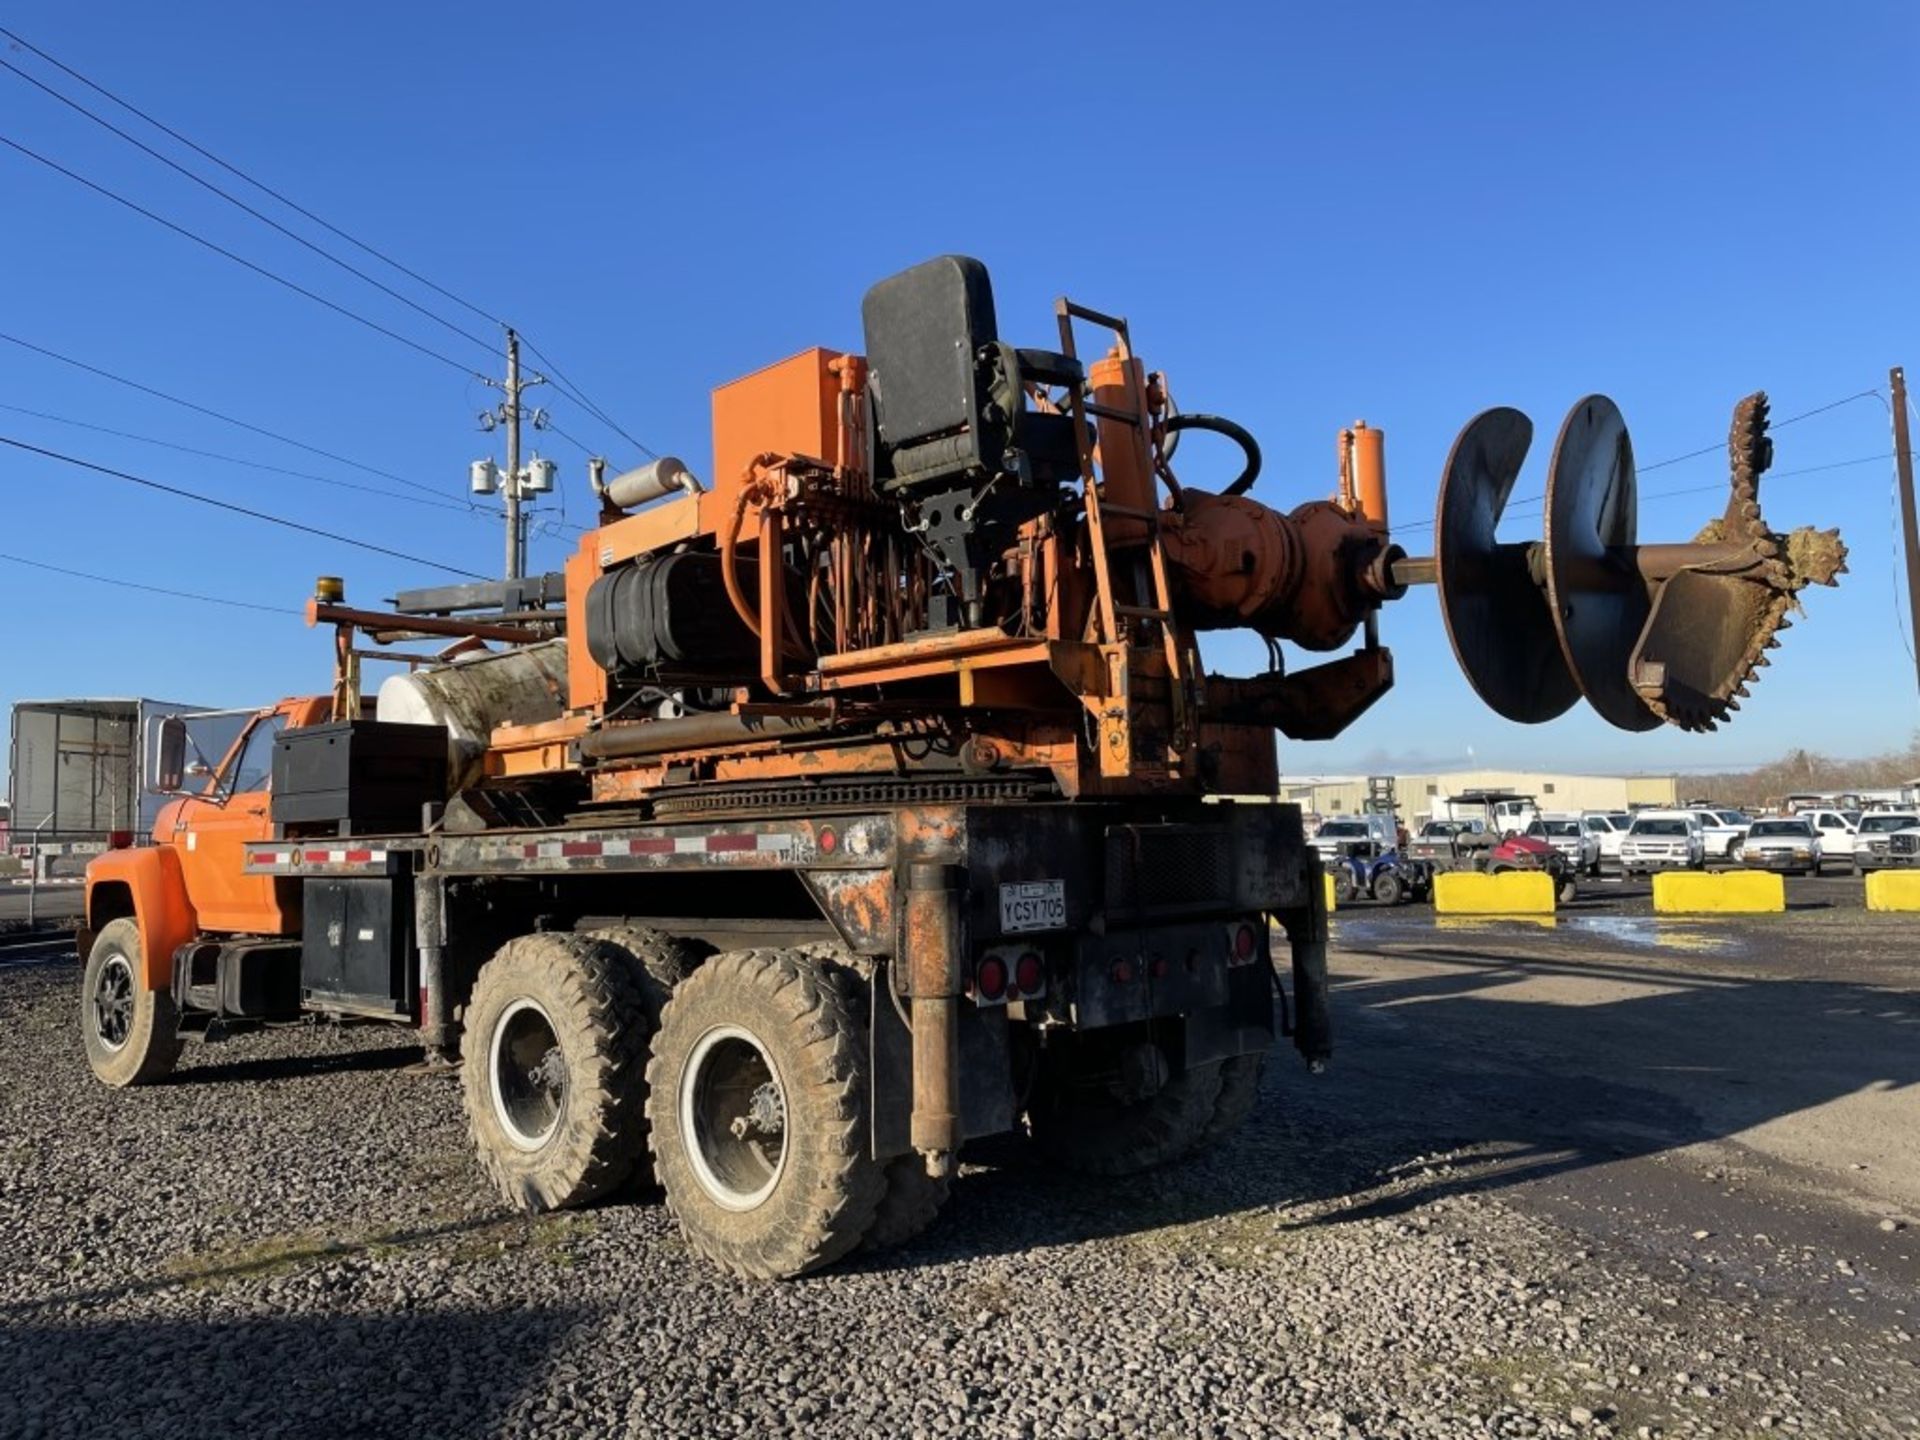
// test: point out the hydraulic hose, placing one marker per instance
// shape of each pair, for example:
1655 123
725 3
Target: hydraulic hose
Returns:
1236 433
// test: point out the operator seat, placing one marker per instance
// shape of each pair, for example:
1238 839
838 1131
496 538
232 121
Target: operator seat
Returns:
955 438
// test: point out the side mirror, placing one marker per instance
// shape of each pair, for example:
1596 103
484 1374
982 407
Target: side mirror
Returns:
170 766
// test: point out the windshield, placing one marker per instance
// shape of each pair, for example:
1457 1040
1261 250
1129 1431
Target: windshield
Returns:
1883 824
1438 829
1798 829
1343 830
1731 817
1852 816
1659 827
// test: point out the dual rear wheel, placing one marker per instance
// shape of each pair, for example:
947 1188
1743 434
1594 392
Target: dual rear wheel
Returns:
738 1082
743 1089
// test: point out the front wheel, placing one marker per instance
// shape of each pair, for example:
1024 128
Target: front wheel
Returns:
757 1114
1387 888
132 1034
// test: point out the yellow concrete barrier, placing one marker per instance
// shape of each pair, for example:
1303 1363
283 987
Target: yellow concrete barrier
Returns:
1517 892
1893 890
1730 892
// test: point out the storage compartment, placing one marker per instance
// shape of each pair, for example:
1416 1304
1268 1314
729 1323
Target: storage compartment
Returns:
356 949
358 777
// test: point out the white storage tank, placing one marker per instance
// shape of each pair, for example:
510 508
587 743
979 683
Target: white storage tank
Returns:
476 693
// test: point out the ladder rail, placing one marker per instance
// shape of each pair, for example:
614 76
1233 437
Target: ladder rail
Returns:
1160 612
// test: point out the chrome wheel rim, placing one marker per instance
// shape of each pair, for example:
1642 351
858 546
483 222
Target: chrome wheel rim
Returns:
733 1118
528 1075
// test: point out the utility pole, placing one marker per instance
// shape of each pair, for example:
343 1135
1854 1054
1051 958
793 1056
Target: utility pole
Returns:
517 482
1903 463
516 537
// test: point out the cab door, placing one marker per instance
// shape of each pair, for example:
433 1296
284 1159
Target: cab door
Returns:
212 830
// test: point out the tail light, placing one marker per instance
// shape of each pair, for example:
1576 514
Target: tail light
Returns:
990 980
120 839
1009 973
1243 944
1029 975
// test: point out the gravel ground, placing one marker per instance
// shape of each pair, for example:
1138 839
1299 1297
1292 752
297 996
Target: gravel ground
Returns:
290 1239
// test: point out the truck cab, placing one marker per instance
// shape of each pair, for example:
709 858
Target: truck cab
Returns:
143 905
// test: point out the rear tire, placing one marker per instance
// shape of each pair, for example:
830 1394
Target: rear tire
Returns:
1239 1093
1089 1128
911 1202
554 1051
657 962
1388 889
758 1113
132 1034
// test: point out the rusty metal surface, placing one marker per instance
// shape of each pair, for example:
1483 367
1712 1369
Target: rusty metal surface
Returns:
1713 622
1316 703
1496 618
932 947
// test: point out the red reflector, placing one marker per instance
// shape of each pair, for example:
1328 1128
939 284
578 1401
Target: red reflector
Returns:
120 839
1244 941
990 979
1159 966
1123 972
829 840
1027 974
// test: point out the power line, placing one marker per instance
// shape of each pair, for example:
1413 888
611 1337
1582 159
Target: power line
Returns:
452 505
237 172
240 260
238 203
216 414
228 505
574 393
562 382
150 589
1709 450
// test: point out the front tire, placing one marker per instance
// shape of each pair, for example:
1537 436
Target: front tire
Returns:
757 1110
1388 888
554 1051
132 1034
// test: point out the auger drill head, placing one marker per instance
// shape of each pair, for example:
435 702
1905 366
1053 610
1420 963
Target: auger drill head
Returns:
1716 617
1648 633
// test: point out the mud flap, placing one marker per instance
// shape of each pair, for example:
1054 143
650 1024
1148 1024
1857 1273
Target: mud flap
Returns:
1306 929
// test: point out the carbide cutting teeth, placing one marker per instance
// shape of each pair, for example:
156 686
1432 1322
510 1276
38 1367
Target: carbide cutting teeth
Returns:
1746 576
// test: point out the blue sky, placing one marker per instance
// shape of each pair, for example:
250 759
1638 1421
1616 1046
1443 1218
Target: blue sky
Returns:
1406 213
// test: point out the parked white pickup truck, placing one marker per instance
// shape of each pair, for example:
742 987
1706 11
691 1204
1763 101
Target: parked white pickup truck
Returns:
1873 841
1721 832
1836 831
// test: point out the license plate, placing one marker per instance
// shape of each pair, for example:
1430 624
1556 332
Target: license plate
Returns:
1033 905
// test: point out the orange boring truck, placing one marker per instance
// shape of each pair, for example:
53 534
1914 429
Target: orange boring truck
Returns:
871 798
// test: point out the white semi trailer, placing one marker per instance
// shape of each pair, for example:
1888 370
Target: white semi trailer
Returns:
77 773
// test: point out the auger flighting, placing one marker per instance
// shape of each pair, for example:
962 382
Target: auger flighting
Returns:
1671 633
